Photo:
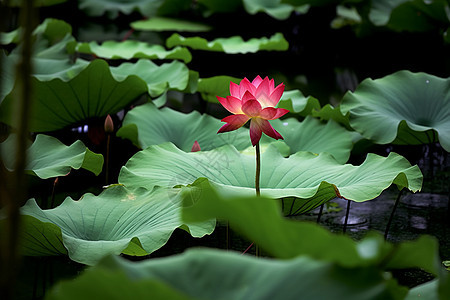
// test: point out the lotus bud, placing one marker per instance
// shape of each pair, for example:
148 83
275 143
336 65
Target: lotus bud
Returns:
109 125
195 147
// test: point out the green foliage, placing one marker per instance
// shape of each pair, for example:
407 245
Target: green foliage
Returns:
95 226
409 15
210 88
275 8
232 45
48 157
295 102
169 76
401 108
168 24
311 135
113 7
133 49
213 274
53 45
260 220
146 125
307 176
92 93
105 283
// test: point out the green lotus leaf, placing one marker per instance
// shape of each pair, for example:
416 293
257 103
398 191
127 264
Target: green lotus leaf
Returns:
31 236
92 93
146 125
260 220
50 59
168 24
410 15
211 87
133 49
95 226
346 16
427 291
113 7
47 157
50 30
401 108
44 69
328 112
295 102
105 283
7 38
314 179
311 135
173 75
231 45
277 9
214 274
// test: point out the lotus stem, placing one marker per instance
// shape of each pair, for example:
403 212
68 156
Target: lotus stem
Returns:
257 177
108 142
258 169
320 214
346 216
388 226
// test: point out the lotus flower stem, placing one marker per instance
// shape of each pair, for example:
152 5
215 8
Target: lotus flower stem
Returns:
258 169
388 226
346 216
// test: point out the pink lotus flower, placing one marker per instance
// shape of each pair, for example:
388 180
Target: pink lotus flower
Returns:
253 101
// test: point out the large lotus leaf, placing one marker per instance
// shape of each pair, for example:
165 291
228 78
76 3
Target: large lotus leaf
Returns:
168 24
173 75
92 93
295 102
44 69
133 49
31 238
231 45
104 283
48 157
303 175
146 125
311 135
210 88
275 8
402 108
95 226
114 7
260 220
50 58
214 274
410 15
